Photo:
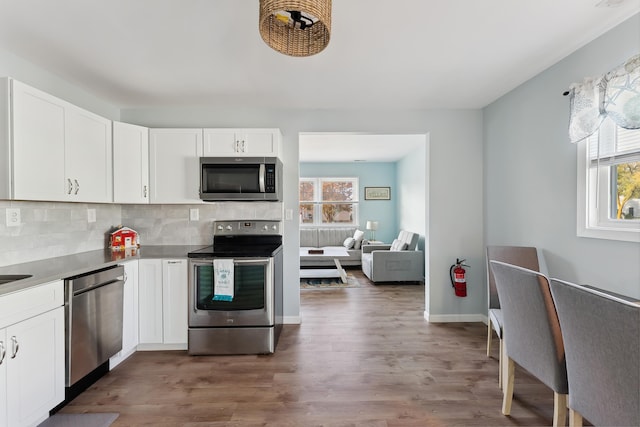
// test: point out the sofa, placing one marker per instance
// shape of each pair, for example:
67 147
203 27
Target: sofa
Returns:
349 238
398 262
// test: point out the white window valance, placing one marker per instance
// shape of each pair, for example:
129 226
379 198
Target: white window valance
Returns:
615 95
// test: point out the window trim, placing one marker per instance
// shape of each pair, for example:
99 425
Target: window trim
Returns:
588 222
317 202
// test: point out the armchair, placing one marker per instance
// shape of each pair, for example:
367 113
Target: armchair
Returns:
398 262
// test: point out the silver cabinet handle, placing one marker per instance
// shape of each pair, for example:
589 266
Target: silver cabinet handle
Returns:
3 352
77 186
70 186
174 262
16 346
237 146
144 191
244 148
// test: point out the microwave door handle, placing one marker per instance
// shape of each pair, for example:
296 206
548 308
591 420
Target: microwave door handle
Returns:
262 177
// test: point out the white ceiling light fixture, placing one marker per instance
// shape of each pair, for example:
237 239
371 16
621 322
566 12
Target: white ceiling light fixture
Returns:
296 27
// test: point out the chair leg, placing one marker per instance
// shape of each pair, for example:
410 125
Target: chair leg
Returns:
575 419
559 409
489 336
507 390
500 363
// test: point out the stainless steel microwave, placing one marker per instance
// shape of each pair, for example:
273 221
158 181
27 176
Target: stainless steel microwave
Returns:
240 178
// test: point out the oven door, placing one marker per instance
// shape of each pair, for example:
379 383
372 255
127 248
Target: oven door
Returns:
253 300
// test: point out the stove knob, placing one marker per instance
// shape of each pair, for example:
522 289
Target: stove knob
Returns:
229 228
220 227
274 227
265 227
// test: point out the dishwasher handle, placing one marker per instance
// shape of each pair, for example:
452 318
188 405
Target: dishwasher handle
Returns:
96 286
93 280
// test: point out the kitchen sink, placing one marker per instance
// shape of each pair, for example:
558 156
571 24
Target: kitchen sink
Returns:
7 278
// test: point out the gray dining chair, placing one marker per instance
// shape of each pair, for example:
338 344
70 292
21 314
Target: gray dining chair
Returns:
602 341
531 334
523 256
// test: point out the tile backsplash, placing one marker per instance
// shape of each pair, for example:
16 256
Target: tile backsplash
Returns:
50 229
170 224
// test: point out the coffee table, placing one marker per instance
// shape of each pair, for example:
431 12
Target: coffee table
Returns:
325 273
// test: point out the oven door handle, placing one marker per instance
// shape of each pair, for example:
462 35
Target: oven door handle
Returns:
251 261
263 173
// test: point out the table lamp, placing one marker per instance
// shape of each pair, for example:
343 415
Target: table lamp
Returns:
372 226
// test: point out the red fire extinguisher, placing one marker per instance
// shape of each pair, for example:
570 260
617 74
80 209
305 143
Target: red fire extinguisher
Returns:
458 281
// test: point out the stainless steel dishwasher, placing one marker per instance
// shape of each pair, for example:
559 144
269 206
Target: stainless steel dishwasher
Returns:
93 323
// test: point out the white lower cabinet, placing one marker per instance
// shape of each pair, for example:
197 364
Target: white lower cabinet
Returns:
32 367
129 314
162 304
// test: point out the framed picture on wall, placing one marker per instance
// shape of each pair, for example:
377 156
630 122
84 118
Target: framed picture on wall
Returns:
377 193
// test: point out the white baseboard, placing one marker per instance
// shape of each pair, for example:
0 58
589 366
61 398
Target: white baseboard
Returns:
452 318
291 320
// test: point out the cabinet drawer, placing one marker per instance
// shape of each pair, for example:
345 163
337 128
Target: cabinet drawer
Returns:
22 305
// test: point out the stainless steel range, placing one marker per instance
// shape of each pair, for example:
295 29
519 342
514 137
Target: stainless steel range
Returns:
235 290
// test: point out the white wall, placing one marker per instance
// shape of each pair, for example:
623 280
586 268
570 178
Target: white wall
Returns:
530 170
455 169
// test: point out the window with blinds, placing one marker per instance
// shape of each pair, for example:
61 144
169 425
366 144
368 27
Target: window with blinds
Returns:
614 165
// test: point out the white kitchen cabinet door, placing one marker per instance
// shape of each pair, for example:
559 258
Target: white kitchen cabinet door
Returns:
174 296
35 376
129 314
88 156
150 301
38 144
130 163
174 165
241 142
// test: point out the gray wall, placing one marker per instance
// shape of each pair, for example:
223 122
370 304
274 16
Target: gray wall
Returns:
455 168
20 69
530 170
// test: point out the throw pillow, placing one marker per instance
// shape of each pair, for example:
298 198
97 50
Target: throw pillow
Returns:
349 242
358 236
398 245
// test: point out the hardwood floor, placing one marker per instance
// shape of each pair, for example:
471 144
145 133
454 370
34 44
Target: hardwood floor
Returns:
361 357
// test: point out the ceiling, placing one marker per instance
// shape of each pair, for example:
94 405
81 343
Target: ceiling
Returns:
409 54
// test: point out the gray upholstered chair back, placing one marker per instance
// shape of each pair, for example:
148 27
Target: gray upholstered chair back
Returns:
522 256
532 332
602 341
411 239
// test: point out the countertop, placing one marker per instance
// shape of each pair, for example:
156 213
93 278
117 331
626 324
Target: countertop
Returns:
51 269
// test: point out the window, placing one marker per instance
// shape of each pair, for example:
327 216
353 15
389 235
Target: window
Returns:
329 201
609 184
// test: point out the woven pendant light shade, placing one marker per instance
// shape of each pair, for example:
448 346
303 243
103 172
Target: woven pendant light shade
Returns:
296 27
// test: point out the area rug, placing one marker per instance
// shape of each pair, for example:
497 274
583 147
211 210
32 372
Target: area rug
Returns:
334 283
79 420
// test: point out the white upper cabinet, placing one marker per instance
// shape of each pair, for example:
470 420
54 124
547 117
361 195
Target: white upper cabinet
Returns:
60 152
242 142
38 144
88 156
130 163
174 165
